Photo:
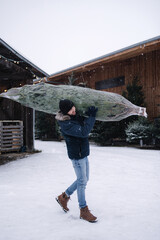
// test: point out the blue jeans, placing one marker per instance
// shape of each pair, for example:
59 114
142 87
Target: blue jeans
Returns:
81 168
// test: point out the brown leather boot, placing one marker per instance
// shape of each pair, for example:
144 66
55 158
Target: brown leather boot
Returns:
87 215
63 200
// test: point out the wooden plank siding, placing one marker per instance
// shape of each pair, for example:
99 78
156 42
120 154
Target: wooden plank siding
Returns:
16 71
143 64
11 110
146 67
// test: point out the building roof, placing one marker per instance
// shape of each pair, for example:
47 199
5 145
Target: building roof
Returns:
124 53
14 66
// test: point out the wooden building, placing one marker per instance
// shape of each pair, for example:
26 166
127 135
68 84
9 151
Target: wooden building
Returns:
113 72
16 71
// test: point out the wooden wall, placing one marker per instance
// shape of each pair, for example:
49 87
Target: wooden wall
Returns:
146 67
10 110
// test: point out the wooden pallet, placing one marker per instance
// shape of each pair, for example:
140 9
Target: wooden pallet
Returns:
11 135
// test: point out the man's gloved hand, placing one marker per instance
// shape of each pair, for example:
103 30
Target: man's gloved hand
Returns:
91 111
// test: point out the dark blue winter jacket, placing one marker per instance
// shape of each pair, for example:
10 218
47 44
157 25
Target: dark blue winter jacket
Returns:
75 131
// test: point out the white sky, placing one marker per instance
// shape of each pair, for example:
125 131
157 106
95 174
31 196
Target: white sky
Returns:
57 34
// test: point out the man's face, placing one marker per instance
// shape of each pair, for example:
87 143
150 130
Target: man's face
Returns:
72 111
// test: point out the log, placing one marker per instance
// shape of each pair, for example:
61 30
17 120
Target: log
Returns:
45 97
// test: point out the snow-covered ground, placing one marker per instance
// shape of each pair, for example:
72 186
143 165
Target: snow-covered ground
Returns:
123 192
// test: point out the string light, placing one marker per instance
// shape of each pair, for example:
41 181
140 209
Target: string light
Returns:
38 80
20 61
17 62
10 60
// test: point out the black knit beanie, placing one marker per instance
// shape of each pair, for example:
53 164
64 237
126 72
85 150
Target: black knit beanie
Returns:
65 106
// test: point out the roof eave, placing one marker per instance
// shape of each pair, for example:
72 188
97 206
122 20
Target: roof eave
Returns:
23 58
112 55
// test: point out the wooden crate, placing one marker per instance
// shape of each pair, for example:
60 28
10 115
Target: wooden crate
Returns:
11 135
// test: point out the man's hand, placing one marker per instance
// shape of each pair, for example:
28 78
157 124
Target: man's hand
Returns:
91 111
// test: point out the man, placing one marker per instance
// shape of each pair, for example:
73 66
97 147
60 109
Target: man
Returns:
75 130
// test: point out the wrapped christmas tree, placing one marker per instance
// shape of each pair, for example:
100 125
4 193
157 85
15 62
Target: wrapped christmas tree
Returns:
45 97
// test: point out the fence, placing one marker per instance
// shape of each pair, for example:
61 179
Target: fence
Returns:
11 135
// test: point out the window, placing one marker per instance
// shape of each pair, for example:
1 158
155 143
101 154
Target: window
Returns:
110 83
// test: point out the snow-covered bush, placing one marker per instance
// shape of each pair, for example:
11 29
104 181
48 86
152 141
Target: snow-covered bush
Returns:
156 131
143 130
139 130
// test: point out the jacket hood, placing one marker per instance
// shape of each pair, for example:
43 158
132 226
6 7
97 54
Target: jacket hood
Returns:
61 117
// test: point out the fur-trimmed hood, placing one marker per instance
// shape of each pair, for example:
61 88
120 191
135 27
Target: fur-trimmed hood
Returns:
61 117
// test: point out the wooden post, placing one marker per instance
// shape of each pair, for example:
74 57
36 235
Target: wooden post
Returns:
27 116
29 130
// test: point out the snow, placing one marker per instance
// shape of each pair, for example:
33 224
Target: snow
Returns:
123 192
